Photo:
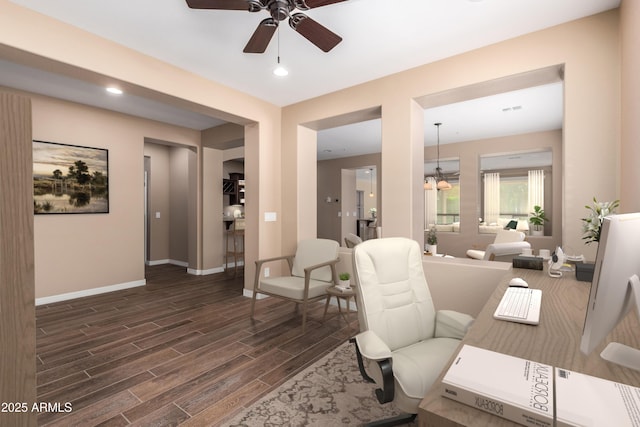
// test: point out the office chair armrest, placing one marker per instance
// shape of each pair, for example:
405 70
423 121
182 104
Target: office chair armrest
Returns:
371 346
452 324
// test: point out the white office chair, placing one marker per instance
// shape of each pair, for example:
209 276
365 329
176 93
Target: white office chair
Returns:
404 343
507 244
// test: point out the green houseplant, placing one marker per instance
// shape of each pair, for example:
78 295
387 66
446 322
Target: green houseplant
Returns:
432 240
537 219
593 222
344 280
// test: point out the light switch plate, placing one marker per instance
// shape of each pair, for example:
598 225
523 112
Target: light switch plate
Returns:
270 216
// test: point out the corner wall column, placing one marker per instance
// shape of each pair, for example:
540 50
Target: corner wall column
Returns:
402 172
17 276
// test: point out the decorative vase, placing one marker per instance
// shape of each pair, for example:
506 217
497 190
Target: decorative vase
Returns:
432 249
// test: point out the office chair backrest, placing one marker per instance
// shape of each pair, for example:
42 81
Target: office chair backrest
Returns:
393 297
315 251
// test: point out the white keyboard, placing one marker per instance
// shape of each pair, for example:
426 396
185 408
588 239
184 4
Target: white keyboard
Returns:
520 305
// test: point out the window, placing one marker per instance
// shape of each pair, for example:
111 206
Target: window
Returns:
511 186
442 207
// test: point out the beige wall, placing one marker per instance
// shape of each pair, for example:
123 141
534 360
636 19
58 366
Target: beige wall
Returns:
588 48
212 231
79 252
79 54
630 108
280 143
159 201
330 225
179 205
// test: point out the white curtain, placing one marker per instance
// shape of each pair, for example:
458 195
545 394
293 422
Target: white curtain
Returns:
430 203
536 189
491 197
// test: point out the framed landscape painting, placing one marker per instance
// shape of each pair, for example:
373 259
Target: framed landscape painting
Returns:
70 179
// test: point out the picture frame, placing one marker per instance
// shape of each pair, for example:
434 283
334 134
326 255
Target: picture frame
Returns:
70 179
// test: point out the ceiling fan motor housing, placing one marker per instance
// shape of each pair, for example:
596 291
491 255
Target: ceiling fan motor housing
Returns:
279 9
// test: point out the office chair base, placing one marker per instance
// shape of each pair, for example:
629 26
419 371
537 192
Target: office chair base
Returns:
393 421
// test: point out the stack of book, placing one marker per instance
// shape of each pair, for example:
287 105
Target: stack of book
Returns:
536 394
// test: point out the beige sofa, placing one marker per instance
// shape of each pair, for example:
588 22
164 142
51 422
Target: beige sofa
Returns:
459 284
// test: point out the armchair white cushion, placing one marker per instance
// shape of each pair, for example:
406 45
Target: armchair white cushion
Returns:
506 245
404 343
312 271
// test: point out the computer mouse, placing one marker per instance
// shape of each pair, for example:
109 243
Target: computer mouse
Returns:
518 283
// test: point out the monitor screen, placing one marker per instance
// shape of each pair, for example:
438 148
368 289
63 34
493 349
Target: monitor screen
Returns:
615 281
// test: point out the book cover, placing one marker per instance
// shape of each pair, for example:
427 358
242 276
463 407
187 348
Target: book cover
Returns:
584 400
517 389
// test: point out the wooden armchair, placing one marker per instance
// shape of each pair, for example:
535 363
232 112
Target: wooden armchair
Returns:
311 271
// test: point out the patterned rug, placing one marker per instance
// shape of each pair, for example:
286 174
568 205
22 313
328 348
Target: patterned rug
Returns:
331 392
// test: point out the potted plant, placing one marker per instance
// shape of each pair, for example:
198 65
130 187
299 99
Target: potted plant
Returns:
537 219
432 240
593 222
344 280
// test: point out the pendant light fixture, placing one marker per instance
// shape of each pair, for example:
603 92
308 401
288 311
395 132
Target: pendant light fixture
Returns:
280 71
441 181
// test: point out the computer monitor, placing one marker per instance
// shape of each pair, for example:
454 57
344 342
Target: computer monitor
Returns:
615 288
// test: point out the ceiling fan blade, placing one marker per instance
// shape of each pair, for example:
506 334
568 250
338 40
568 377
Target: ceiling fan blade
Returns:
219 4
261 36
311 4
317 34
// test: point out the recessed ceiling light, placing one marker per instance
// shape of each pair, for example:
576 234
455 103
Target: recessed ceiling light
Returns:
114 90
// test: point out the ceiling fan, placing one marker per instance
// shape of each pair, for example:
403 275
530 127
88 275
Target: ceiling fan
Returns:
279 10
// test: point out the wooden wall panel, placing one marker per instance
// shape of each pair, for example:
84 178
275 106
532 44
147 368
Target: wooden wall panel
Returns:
17 284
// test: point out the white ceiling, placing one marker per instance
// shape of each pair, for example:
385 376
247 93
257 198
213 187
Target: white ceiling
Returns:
381 37
534 109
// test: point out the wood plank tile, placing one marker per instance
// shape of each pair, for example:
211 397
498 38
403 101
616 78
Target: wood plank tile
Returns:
193 386
230 405
180 350
99 412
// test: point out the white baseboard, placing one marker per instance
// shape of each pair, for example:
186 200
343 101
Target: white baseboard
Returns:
89 292
205 272
249 294
167 261
157 262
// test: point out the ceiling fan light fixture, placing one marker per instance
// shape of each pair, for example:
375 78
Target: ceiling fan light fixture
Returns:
280 71
443 185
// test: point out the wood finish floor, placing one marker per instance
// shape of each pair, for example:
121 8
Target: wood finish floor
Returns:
181 350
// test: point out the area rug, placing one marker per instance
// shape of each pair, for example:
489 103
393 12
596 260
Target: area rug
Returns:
331 392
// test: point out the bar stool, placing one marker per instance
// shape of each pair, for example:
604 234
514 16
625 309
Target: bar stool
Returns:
235 244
